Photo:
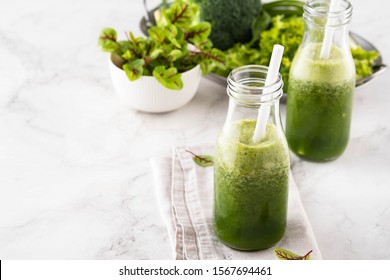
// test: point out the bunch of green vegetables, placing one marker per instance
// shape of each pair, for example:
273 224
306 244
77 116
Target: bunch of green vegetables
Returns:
285 31
363 61
281 22
231 20
180 44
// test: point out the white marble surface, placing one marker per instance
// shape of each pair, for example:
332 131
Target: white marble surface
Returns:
75 180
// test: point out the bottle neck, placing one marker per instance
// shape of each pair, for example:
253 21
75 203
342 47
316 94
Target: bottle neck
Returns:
248 93
246 87
318 21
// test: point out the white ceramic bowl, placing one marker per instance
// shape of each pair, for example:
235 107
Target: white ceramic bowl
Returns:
148 95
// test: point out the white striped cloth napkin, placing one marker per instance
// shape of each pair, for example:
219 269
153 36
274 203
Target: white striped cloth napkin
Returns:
185 196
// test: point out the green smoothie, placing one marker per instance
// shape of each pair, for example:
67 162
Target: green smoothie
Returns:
319 104
251 187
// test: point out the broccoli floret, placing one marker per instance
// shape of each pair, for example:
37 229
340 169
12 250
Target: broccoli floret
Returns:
231 20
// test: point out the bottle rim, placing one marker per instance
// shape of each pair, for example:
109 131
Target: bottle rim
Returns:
246 85
315 10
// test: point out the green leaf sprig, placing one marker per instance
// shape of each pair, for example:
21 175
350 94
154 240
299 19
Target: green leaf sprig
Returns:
177 44
202 160
283 254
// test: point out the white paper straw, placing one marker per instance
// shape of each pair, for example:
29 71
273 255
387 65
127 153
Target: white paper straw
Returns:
272 75
328 37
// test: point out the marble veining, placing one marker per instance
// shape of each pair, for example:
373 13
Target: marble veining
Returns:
75 179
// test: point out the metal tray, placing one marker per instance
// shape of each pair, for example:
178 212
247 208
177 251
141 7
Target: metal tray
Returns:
379 67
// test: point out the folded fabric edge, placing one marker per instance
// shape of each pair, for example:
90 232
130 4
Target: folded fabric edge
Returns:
310 231
204 243
187 242
162 176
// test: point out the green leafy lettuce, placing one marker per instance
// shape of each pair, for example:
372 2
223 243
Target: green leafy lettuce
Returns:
363 61
287 31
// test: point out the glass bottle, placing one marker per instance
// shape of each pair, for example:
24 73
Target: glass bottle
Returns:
320 91
251 178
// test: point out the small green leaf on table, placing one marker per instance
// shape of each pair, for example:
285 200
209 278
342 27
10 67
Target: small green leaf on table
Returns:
202 160
283 254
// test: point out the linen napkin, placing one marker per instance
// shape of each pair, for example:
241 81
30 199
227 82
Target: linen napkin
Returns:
185 197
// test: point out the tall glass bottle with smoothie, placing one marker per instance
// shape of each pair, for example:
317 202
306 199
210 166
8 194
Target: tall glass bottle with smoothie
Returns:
251 178
321 85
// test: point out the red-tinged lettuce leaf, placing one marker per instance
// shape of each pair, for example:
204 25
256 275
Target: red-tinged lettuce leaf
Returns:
134 69
107 40
283 254
202 160
168 77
